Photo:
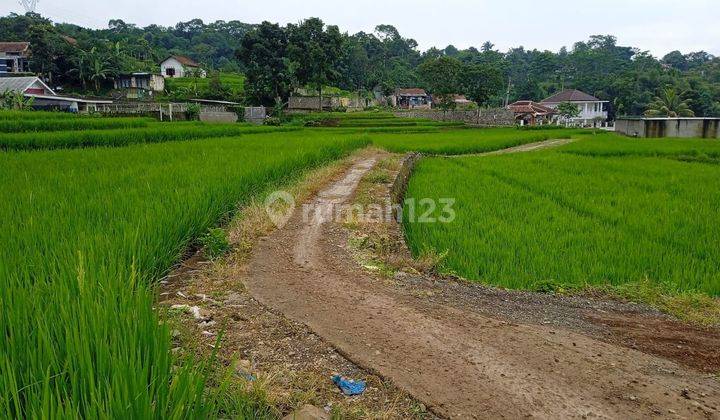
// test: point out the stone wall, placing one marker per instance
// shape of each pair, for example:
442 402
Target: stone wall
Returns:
311 103
493 117
669 127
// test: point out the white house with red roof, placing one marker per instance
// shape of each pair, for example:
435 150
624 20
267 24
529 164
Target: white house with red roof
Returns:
592 109
180 66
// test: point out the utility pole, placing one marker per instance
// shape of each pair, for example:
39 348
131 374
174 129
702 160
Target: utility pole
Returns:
507 92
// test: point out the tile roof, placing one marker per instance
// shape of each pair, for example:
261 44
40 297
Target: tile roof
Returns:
411 92
570 95
185 61
6 47
530 107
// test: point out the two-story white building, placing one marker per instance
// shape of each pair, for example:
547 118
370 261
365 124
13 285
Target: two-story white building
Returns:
592 110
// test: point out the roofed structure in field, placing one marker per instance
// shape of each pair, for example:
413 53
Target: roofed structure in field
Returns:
530 107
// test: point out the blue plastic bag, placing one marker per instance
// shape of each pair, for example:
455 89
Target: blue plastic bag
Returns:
349 387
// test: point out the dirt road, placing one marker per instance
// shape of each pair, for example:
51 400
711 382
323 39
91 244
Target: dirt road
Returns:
461 362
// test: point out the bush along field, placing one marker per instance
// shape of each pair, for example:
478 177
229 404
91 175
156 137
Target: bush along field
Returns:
603 211
87 231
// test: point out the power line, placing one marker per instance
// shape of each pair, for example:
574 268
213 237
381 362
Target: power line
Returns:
29 5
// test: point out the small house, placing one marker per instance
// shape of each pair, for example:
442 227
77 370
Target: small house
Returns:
413 98
14 57
591 108
25 85
531 113
139 85
46 98
181 66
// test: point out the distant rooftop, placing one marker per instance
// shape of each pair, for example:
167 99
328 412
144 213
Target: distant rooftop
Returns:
6 47
570 95
530 107
411 92
185 61
19 84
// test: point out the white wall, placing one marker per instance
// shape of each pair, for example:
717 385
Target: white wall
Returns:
588 110
172 63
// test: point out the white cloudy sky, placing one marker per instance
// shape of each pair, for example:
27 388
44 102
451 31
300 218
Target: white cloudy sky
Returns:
659 26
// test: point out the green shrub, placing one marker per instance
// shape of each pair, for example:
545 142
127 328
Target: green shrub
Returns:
215 243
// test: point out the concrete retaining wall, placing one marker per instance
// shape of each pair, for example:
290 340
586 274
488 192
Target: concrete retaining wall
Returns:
222 117
399 187
669 127
493 117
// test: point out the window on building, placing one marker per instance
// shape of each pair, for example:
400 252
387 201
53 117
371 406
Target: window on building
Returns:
170 71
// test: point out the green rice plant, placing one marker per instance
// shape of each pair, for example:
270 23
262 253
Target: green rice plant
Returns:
567 220
34 115
85 232
215 243
455 142
153 133
610 144
65 124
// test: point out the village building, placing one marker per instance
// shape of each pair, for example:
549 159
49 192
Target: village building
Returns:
531 113
181 66
592 109
14 57
412 98
46 98
459 101
139 85
30 85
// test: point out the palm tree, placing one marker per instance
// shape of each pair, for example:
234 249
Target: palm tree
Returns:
81 68
100 69
669 104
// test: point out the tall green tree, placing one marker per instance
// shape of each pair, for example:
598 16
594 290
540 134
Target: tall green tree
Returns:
263 53
442 77
480 82
315 53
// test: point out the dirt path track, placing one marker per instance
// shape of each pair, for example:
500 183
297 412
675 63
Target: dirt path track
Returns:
459 362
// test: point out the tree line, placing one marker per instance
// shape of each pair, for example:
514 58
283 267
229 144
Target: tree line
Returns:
277 59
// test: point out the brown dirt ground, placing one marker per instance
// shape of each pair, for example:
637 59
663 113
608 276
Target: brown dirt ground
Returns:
291 363
326 298
468 351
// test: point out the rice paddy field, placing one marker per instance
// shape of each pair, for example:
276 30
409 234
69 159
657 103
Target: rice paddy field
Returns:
87 231
604 210
94 211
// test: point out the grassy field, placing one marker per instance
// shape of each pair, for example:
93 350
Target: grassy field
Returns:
86 233
196 86
604 210
95 210
116 137
69 124
457 142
